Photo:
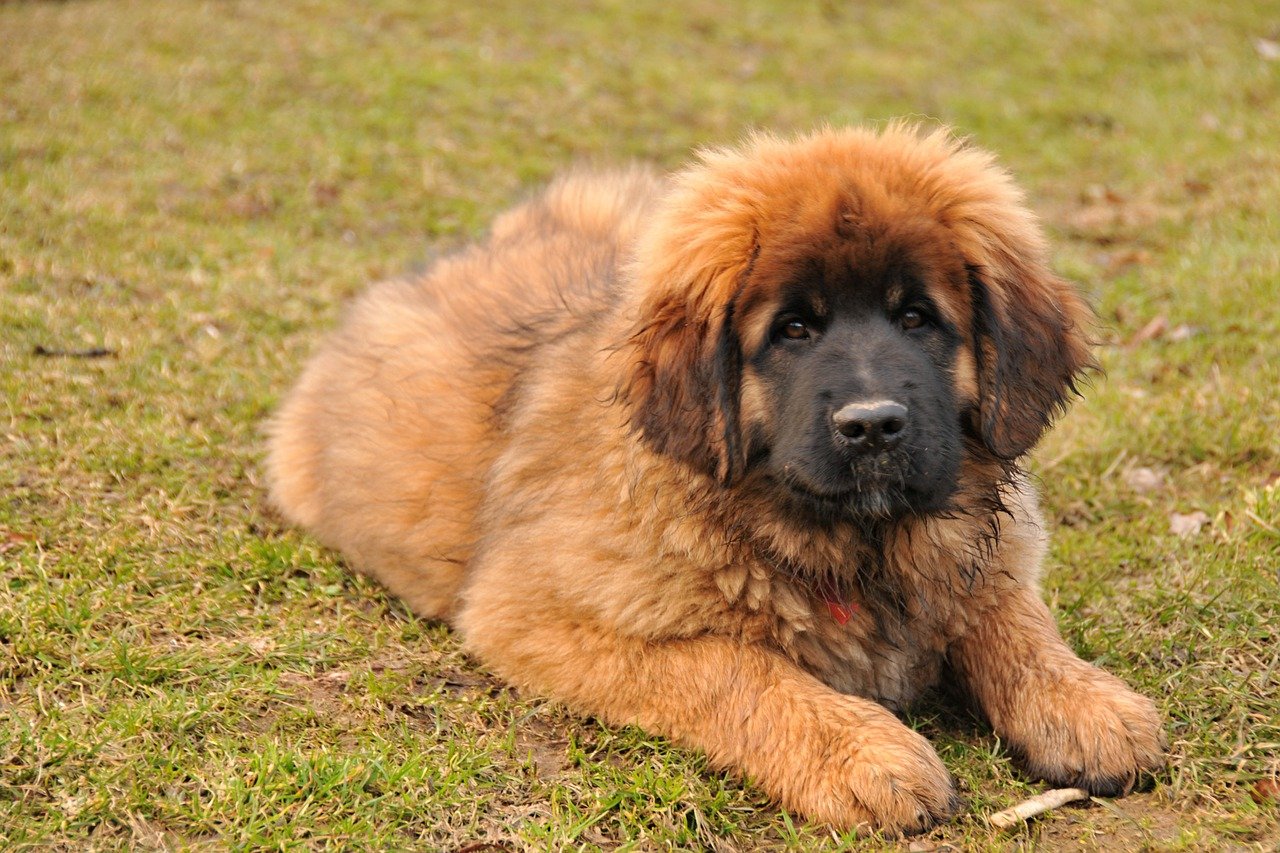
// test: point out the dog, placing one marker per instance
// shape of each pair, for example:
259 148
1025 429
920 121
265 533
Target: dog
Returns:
734 455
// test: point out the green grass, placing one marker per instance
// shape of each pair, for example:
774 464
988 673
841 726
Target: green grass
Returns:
198 187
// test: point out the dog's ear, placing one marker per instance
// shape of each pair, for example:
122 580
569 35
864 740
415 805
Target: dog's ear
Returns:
682 376
1031 346
683 382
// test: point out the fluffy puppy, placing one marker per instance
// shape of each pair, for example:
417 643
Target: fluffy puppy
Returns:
733 456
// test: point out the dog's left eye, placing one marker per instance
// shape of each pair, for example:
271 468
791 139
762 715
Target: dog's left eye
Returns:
912 318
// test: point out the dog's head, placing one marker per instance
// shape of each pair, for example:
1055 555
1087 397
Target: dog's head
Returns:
845 316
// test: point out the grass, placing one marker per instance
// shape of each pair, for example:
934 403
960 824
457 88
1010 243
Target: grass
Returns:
198 187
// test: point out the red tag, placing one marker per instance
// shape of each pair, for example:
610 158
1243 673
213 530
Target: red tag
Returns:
840 611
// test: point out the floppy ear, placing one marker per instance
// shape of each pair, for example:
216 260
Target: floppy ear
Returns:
683 385
691 263
1030 348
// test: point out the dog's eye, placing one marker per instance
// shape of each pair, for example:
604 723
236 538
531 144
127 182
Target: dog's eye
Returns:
912 318
793 329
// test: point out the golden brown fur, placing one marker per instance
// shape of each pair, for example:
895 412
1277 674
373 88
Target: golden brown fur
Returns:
533 442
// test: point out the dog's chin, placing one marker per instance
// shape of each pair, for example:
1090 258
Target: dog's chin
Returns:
869 499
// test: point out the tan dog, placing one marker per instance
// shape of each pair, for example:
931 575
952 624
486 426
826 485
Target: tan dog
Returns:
732 456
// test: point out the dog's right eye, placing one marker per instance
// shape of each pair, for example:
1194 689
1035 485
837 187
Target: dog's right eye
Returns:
792 329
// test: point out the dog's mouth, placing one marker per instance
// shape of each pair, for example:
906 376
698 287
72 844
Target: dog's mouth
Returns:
879 496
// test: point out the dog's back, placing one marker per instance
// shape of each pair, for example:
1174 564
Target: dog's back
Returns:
383 447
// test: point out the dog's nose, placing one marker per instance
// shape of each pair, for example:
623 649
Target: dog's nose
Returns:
871 426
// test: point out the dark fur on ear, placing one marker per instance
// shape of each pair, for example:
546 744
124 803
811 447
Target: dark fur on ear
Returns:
1030 348
683 388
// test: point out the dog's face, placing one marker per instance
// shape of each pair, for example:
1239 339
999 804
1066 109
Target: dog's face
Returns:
846 319
853 407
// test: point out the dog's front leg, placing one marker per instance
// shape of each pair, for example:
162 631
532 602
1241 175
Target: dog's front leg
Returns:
1071 722
839 759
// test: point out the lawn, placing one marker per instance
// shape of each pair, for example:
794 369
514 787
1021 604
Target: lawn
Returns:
189 192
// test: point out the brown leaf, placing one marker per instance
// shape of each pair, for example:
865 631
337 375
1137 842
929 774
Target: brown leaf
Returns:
1095 193
1124 259
250 204
1154 329
1144 480
325 194
1188 525
1266 791
10 539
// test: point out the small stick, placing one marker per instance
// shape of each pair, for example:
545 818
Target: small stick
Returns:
1038 804
95 352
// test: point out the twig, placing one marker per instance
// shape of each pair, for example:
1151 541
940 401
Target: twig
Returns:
95 352
1037 805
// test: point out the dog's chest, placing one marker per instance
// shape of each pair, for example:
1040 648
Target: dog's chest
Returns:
887 653
857 650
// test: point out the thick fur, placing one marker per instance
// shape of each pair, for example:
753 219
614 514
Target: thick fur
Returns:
577 442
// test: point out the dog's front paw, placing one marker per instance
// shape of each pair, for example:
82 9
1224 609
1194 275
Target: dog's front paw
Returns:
881 777
1088 730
